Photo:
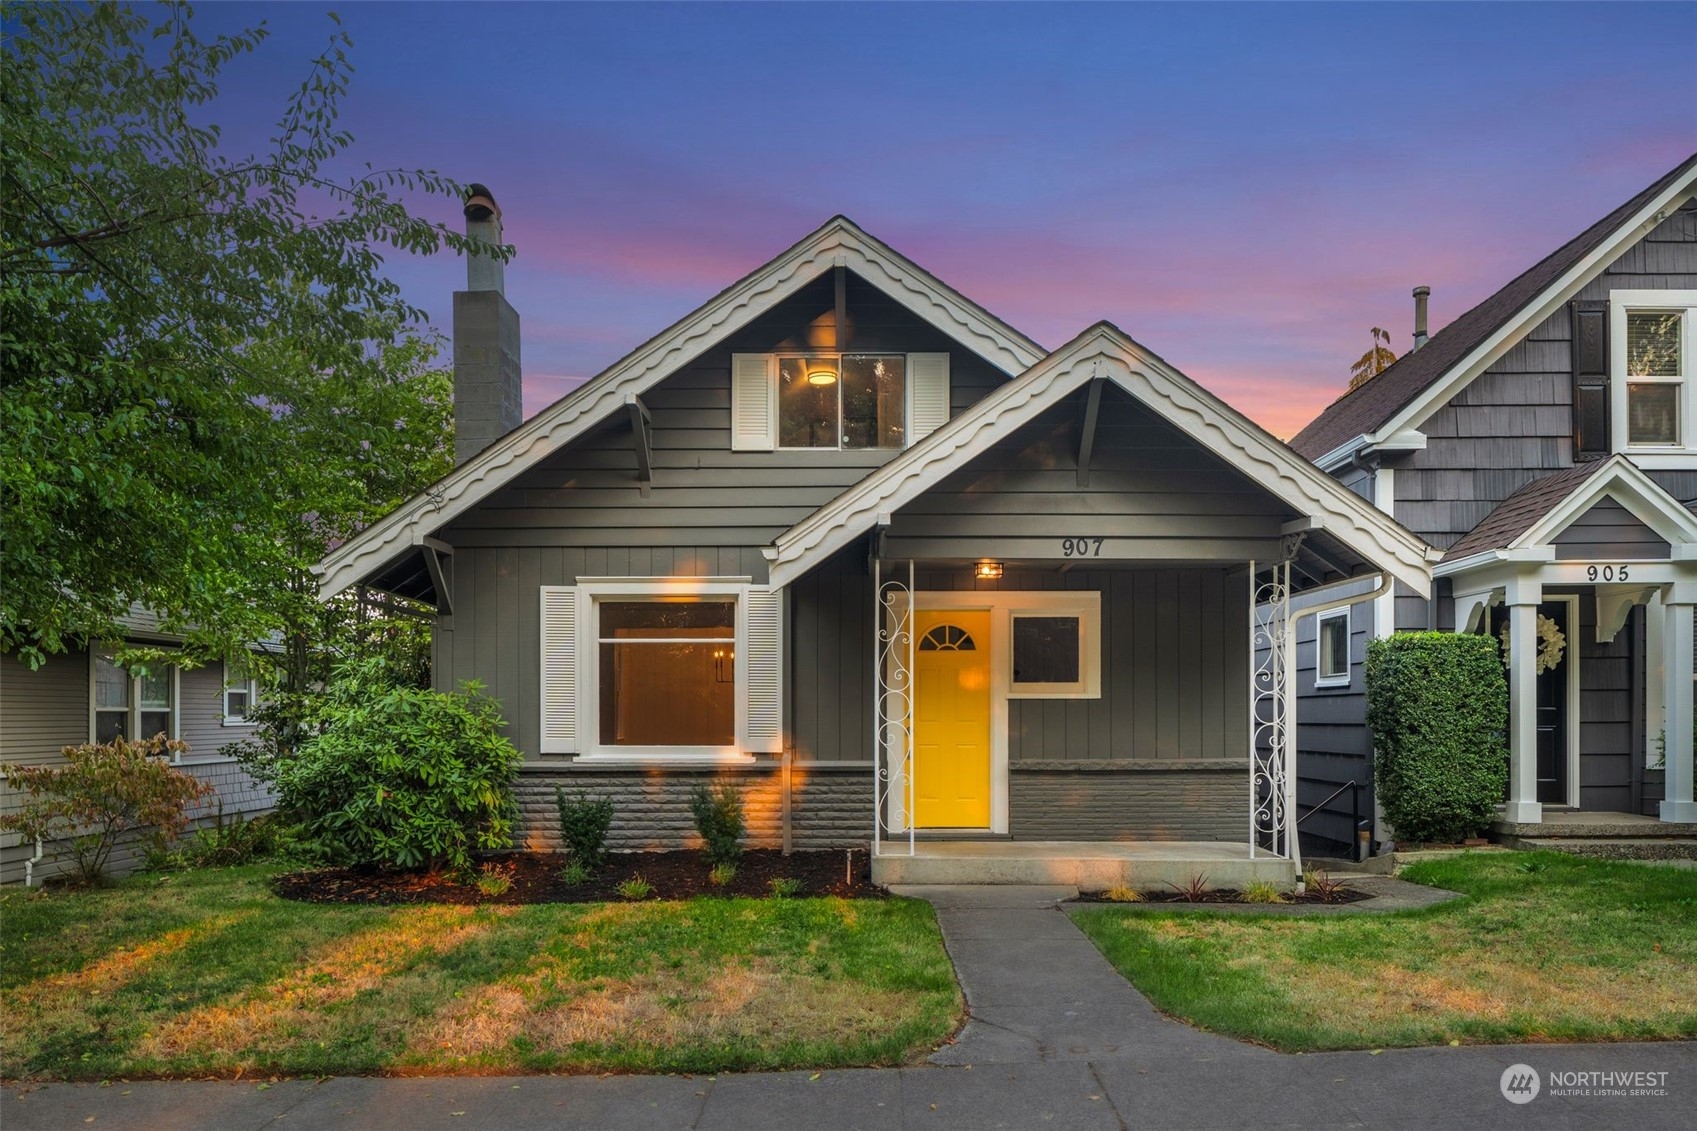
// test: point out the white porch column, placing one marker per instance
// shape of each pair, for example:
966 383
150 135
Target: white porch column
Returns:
1523 806
1676 673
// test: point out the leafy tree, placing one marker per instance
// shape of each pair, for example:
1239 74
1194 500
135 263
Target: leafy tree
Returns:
1374 362
207 377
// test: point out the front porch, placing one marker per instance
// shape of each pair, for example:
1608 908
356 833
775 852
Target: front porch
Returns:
1086 865
1606 836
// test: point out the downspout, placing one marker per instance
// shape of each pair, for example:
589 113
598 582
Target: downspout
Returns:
29 865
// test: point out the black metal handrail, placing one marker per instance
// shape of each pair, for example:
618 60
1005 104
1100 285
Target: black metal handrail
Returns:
1355 822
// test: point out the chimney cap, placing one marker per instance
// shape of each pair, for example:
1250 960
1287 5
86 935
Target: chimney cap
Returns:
480 202
1422 291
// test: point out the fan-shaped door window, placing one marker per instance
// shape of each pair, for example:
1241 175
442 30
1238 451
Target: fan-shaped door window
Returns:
947 638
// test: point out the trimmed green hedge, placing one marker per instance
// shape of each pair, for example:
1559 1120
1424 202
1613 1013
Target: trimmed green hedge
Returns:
1437 703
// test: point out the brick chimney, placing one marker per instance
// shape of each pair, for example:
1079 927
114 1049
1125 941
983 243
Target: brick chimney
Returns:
488 384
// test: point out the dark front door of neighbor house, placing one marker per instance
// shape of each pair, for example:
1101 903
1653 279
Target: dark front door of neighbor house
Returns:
1552 707
1552 698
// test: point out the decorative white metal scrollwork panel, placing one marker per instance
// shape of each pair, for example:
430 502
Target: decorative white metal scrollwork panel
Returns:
893 705
1269 691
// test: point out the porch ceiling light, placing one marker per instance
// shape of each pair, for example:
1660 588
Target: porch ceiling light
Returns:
987 571
822 376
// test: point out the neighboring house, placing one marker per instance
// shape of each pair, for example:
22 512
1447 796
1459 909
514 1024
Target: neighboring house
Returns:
1546 440
81 696
848 539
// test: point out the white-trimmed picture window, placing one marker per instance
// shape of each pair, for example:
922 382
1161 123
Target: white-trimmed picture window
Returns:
1331 667
666 672
132 705
1653 347
1055 648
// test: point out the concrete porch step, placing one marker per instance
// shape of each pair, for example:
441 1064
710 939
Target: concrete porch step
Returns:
1613 848
1572 825
1088 866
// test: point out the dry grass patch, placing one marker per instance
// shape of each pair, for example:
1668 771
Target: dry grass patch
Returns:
209 974
1547 947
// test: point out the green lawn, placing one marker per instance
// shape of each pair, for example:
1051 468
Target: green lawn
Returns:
208 973
1546 947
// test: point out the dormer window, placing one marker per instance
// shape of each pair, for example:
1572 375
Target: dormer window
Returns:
1653 335
836 401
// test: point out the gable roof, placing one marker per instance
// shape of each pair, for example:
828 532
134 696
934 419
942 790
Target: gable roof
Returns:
838 243
1104 351
1539 511
1374 407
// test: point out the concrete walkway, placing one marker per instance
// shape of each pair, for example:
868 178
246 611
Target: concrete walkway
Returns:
1055 1038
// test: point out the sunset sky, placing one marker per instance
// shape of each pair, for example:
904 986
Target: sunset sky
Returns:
1245 189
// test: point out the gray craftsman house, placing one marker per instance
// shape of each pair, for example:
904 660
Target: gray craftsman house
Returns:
912 580
1546 442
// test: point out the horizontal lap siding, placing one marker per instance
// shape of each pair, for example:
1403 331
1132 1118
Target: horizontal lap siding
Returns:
1609 530
201 712
1149 485
44 710
1332 740
708 512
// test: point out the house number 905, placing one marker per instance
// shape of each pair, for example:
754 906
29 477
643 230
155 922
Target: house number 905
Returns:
1081 547
1605 573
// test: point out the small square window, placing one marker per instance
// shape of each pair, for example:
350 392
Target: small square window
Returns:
1332 662
1045 649
1652 413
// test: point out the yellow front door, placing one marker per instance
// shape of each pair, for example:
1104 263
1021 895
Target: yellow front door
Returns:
951 713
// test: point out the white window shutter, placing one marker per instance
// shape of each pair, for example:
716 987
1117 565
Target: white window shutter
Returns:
754 411
928 394
763 659
559 669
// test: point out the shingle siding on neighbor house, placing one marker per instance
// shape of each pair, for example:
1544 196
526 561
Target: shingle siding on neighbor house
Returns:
45 710
1508 427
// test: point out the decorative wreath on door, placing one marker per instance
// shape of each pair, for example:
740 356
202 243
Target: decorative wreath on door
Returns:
1551 643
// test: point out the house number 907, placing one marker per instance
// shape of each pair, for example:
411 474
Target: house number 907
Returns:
1081 547
1605 573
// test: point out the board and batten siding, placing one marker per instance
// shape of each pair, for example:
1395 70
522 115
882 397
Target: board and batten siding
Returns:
707 513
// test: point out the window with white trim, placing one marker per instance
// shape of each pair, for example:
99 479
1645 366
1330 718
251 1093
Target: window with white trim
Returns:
130 704
836 401
1653 339
1055 646
661 669
1331 652
666 671
240 695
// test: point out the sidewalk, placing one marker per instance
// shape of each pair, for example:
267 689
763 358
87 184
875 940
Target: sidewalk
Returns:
1055 1038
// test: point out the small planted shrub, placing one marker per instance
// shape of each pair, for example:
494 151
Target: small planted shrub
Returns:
722 874
583 827
635 888
494 880
718 818
402 776
102 792
573 874
1322 885
228 843
1437 704
1120 893
1193 890
784 887
1260 891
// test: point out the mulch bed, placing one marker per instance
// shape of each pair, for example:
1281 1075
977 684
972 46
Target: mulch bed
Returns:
1228 895
536 878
